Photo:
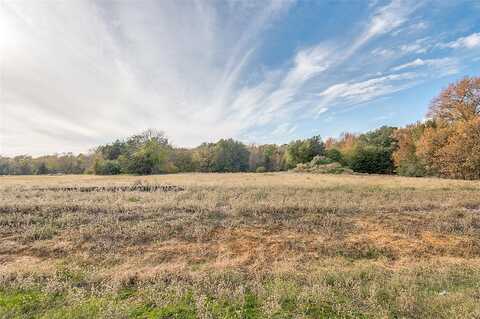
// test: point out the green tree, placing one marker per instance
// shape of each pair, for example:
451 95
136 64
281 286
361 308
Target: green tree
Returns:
373 151
204 157
303 151
381 137
230 156
41 169
334 154
371 159
112 151
182 159
149 158
106 167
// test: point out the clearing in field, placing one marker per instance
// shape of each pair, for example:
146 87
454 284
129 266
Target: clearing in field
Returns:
277 245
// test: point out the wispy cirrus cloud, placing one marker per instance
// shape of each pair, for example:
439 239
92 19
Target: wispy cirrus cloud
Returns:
444 65
312 62
79 73
468 42
97 71
356 92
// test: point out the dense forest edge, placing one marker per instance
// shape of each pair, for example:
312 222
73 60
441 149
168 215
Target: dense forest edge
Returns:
446 144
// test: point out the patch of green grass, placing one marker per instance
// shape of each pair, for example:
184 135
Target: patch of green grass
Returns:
251 306
90 308
18 304
26 303
133 199
327 311
184 309
126 293
223 308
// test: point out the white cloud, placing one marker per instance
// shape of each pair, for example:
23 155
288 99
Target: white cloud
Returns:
317 60
414 63
418 46
421 25
386 19
413 48
383 52
411 28
363 91
85 73
468 42
446 66
78 73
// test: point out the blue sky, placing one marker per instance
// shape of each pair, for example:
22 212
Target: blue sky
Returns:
75 74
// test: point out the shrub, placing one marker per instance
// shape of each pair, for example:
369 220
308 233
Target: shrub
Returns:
261 169
322 165
107 167
334 154
411 168
371 159
320 160
331 168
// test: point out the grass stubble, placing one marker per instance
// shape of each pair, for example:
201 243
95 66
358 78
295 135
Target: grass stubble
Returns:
280 245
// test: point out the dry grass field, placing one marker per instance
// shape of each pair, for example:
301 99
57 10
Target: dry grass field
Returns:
280 245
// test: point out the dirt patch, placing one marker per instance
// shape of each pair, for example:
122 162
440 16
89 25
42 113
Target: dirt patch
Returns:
400 245
241 248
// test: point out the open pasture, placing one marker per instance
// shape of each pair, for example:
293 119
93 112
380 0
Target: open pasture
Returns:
279 245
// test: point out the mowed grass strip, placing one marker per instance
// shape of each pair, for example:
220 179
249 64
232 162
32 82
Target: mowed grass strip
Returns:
240 246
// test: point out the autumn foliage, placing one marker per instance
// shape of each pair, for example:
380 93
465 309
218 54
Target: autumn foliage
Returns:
448 145
407 160
459 102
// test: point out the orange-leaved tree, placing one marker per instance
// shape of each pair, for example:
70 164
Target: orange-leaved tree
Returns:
458 102
451 148
460 157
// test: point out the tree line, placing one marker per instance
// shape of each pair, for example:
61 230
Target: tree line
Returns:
445 145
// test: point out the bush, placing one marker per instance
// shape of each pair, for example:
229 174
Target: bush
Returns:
107 167
321 160
331 168
322 165
411 168
372 160
334 154
261 169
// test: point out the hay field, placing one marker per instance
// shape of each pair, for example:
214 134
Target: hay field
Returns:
280 245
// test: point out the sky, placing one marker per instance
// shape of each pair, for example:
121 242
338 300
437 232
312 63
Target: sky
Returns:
76 74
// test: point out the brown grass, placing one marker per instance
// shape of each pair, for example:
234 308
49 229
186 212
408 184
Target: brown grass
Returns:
351 246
